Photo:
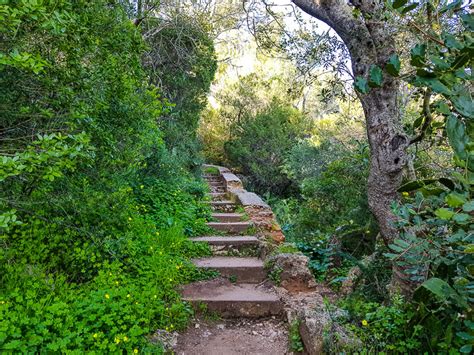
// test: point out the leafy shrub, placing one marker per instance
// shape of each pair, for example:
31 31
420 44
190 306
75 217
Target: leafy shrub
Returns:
260 143
384 328
95 211
435 250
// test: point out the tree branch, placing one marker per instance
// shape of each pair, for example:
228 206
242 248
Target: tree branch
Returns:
428 117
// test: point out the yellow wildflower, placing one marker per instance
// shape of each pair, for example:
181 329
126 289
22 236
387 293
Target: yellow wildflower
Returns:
125 338
129 218
128 296
107 296
365 323
116 282
135 351
141 186
95 335
117 340
405 194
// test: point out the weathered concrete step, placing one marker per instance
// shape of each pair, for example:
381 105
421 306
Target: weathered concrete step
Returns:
213 178
228 217
223 206
244 270
230 241
230 227
232 301
218 196
216 183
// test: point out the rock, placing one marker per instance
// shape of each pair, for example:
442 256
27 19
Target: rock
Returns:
349 283
321 335
220 326
196 326
168 340
292 271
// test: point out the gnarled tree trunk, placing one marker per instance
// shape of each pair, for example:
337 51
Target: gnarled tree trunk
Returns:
370 41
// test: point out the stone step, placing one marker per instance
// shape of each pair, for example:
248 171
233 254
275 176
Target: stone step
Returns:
232 301
230 227
231 245
223 206
216 183
218 196
214 178
244 270
228 217
217 189
229 241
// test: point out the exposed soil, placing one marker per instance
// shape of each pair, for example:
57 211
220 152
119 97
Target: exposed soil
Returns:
234 337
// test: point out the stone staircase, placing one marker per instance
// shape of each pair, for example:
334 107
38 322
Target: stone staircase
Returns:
241 290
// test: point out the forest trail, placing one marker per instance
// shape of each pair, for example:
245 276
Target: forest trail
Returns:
241 312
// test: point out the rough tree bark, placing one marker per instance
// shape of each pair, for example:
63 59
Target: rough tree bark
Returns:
369 41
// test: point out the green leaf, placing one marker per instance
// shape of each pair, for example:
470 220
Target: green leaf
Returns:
443 291
418 54
465 336
409 8
457 136
468 21
469 249
361 85
461 60
376 76
418 122
442 107
399 3
466 349
462 101
435 84
454 5
444 213
461 218
455 199
415 185
468 206
441 64
393 65
451 42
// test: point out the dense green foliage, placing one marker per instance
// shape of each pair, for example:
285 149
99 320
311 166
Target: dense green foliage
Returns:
259 144
95 209
182 63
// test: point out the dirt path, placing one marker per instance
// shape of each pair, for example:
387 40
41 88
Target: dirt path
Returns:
235 337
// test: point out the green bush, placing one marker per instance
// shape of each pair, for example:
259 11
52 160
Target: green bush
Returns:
260 143
384 328
95 211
